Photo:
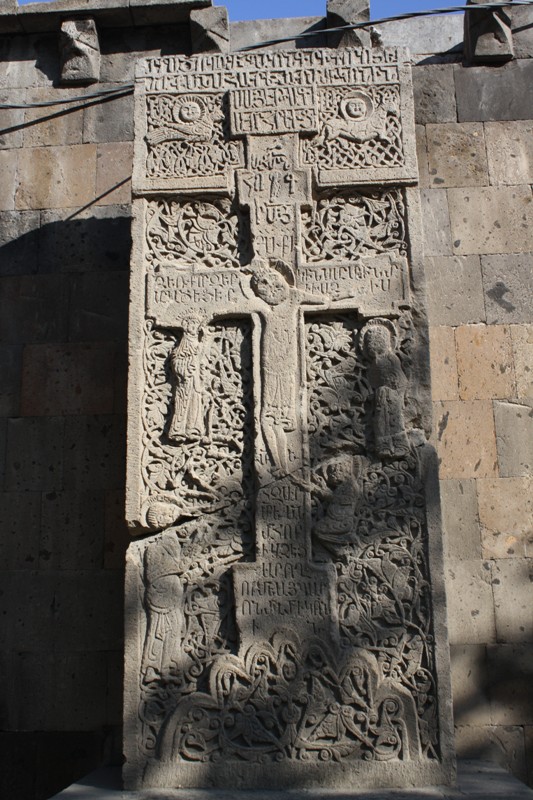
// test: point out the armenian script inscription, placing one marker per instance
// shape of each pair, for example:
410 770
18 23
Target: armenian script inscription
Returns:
285 601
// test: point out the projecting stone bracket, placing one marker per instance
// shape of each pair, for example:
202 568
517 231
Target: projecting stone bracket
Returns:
350 12
79 51
210 30
488 35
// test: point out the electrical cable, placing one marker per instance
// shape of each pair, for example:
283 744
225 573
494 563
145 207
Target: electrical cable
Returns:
127 88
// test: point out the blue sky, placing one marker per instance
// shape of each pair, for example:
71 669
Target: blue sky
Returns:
254 9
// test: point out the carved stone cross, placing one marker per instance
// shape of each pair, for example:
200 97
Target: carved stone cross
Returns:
284 607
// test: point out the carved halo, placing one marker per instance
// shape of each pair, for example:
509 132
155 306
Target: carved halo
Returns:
378 322
350 105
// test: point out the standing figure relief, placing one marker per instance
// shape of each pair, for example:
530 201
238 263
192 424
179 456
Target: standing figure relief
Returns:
188 419
387 378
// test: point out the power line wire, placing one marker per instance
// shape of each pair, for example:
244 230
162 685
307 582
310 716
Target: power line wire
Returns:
127 88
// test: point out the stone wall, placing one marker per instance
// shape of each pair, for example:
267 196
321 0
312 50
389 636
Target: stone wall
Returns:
476 162
64 262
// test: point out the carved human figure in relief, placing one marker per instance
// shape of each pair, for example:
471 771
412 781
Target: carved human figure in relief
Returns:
389 382
188 419
279 354
342 493
163 595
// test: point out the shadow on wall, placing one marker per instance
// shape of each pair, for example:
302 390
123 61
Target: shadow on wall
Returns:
63 335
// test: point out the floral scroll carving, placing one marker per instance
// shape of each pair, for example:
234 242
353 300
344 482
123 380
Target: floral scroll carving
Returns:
193 231
348 224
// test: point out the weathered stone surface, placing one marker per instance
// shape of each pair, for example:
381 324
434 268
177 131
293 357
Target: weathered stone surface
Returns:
491 220
99 307
436 221
110 120
62 674
56 177
210 30
456 154
79 51
20 516
470 684
10 369
117 536
514 437
522 339
53 125
422 156
434 92
506 516
19 237
470 604
34 454
427 36
72 611
465 439
511 690
95 240
443 364
11 121
510 151
484 362
455 290
485 94
114 164
499 744
8 179
33 308
67 379
512 584
269 560
508 286
94 452
460 520
348 12
72 530
488 35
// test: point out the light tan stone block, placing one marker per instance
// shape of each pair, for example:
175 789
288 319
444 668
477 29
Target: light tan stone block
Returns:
455 290
513 599
506 516
491 220
470 682
436 222
514 439
470 604
510 151
466 444
56 177
422 156
501 744
460 521
522 341
484 362
8 177
53 125
456 154
114 163
443 364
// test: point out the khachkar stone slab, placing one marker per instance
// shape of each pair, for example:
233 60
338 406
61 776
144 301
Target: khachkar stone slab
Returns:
285 606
